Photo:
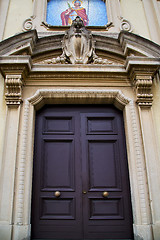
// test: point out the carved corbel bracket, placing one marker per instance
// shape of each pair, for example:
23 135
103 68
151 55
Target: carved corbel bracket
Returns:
143 87
13 94
141 72
14 69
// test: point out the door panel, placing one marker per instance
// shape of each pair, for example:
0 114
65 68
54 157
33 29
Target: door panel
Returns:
56 151
58 125
54 166
102 209
57 209
105 170
100 124
102 165
80 152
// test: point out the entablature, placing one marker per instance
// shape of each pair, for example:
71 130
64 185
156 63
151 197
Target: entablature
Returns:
80 56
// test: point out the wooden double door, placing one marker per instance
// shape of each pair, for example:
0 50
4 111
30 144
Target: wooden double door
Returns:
80 174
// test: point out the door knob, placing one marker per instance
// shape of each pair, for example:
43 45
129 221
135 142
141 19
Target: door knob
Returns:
105 194
84 192
57 194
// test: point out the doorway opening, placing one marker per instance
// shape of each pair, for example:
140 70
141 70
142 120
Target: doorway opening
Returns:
80 175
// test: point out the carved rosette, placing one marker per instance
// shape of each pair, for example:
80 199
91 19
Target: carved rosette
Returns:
13 94
143 85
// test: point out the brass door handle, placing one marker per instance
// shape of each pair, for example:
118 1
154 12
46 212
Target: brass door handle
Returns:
105 194
57 194
84 192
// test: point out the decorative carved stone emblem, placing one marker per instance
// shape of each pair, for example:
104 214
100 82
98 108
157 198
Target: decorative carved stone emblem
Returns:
78 47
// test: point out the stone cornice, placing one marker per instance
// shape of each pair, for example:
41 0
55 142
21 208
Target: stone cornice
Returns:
140 63
22 43
15 65
135 44
122 45
79 68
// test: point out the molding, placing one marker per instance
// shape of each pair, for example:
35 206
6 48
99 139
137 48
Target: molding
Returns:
138 45
115 97
123 45
140 167
109 96
20 44
22 165
13 95
15 65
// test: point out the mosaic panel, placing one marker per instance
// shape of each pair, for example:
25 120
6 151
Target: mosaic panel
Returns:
62 12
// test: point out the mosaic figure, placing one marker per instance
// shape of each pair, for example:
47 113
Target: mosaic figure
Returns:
72 12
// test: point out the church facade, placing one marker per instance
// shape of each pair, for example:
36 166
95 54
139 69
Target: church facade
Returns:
79 120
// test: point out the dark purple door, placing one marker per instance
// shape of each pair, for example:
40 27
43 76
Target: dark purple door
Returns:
80 175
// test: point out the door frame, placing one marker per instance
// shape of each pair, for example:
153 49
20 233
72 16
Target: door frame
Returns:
136 158
82 137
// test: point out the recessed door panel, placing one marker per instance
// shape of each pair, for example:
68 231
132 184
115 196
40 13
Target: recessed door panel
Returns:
110 209
58 124
101 125
103 170
52 208
58 166
80 174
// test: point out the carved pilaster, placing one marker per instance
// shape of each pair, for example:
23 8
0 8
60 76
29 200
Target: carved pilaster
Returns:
13 94
143 85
